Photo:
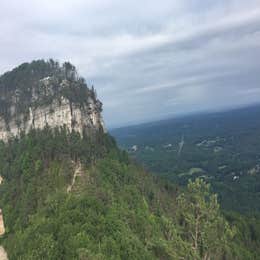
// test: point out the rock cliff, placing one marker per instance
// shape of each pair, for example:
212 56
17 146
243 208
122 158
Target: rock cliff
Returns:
40 94
2 227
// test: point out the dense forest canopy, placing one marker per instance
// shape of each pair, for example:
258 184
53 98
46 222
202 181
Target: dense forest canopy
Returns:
115 210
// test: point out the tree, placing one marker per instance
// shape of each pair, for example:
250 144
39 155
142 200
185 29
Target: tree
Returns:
201 222
70 71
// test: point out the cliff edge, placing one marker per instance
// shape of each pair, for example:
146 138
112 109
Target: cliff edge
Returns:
45 93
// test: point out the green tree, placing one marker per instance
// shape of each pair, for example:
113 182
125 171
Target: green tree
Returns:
201 222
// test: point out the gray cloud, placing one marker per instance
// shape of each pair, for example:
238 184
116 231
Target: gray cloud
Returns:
147 59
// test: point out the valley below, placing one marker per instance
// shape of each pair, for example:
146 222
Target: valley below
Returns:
222 148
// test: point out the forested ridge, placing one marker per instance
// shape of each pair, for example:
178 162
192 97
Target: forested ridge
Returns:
66 195
115 210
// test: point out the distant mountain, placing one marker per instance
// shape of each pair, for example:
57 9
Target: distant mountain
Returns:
68 192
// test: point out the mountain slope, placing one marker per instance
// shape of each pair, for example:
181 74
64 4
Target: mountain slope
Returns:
72 194
114 211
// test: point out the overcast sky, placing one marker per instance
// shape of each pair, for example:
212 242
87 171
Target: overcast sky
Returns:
147 59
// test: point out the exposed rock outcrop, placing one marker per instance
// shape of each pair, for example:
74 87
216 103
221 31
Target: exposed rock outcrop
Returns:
2 227
77 173
59 99
3 255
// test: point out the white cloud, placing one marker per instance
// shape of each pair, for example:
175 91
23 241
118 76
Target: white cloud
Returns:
193 54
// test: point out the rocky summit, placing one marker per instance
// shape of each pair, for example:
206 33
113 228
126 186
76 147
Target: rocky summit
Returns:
45 93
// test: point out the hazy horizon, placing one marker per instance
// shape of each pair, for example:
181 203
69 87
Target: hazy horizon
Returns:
149 60
187 115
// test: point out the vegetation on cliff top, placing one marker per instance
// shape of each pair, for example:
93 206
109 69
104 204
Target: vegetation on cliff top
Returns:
40 83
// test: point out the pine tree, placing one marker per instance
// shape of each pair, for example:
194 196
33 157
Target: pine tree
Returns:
201 221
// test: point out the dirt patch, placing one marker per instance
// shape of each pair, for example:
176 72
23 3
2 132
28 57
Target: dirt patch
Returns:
3 255
2 227
77 172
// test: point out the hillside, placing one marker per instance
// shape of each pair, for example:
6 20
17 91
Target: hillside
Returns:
71 193
223 148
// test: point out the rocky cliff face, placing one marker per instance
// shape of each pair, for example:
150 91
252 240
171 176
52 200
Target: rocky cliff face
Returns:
2 226
40 94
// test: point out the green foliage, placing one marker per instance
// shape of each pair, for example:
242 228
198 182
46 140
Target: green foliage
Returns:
114 211
201 221
223 148
246 242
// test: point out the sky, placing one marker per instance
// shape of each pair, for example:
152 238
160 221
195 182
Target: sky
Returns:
148 60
